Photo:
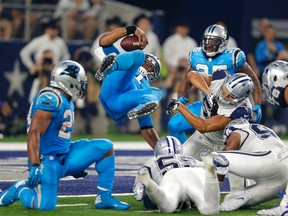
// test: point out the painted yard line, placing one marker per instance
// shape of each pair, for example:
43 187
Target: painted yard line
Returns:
77 204
94 195
21 146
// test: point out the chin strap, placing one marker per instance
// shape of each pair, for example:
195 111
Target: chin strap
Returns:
143 72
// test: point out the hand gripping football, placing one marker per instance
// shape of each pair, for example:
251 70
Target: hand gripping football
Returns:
130 43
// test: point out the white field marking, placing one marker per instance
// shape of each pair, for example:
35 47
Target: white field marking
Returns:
93 195
77 204
22 146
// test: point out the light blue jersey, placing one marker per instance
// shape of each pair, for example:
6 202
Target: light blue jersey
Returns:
57 138
124 87
230 60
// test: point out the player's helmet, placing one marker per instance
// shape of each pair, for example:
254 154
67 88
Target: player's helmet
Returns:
71 78
277 70
151 68
235 89
168 145
214 40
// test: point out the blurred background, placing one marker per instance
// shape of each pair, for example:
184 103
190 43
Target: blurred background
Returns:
37 34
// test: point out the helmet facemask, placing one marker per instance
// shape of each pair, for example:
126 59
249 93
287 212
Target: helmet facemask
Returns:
214 40
151 68
235 89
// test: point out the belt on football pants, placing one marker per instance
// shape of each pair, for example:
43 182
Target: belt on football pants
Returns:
54 157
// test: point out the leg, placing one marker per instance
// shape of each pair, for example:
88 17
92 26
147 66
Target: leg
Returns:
85 152
178 126
44 197
166 196
196 144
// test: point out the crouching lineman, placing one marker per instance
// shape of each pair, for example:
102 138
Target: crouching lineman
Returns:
196 181
275 86
259 155
52 153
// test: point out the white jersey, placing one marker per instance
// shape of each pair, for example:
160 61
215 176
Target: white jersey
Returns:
262 158
158 166
214 140
278 93
255 137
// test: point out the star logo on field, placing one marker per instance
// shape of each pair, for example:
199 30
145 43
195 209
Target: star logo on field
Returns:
16 80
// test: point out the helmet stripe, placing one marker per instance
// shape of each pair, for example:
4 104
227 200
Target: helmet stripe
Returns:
168 144
211 28
237 80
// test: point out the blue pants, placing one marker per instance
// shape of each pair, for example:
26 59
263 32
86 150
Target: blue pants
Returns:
178 126
82 154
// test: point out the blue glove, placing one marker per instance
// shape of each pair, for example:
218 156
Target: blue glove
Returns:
183 99
257 110
35 175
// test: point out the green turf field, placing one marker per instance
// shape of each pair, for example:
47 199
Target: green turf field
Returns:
137 209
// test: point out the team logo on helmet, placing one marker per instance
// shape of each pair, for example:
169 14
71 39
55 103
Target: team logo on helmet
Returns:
71 70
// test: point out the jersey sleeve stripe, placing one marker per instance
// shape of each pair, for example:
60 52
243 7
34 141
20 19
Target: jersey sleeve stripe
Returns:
235 55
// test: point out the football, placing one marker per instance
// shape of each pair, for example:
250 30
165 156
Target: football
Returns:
130 43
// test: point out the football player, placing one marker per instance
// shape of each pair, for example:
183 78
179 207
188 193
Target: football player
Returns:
52 154
170 178
275 86
226 98
125 88
211 56
261 156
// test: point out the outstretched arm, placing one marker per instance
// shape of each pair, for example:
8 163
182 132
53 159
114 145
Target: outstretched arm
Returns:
257 86
151 136
111 37
215 123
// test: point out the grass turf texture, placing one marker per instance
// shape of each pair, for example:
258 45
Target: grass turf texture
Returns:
136 209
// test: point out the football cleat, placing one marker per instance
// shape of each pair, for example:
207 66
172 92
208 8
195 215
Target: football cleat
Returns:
143 176
143 110
231 203
10 195
282 209
106 65
139 191
104 200
215 161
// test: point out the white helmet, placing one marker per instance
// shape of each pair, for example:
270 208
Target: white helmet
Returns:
151 70
217 36
276 71
71 78
168 145
239 86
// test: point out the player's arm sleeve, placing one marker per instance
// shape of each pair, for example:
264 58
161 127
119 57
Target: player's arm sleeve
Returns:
239 58
48 101
241 112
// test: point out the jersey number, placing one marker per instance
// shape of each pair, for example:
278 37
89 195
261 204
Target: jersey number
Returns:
205 69
261 131
65 131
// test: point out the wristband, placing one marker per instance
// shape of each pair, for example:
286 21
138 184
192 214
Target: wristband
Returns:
130 29
35 164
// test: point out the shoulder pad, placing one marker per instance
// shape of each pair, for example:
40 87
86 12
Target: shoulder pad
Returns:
49 99
238 58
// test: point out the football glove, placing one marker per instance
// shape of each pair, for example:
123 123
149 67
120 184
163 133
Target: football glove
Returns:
183 99
257 110
173 105
212 104
35 175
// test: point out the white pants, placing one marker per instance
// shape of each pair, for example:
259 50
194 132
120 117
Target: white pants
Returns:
186 184
264 168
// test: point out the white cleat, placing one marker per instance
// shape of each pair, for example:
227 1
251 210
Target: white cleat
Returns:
281 210
139 191
235 202
143 176
215 161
